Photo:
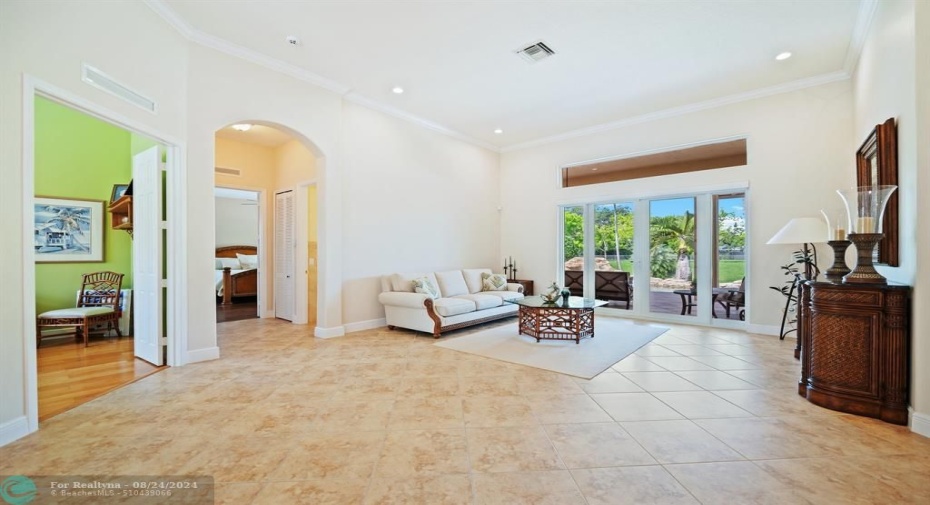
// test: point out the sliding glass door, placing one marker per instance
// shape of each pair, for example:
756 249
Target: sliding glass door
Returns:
672 255
681 257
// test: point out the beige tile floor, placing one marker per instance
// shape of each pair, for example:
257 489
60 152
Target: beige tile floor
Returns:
697 416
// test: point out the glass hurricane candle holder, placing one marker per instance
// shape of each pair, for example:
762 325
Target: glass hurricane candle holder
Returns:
865 208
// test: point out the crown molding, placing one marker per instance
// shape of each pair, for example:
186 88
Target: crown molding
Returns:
171 17
864 20
860 32
224 46
391 111
778 89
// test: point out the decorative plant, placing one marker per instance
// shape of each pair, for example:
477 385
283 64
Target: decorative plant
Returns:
795 273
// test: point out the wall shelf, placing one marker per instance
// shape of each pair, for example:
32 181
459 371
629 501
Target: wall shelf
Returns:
121 213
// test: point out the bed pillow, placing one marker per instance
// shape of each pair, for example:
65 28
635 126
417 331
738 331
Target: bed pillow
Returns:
248 261
493 282
425 286
232 263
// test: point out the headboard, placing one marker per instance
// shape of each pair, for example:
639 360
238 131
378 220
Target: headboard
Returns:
230 251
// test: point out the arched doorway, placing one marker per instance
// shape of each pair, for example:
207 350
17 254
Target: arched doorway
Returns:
281 167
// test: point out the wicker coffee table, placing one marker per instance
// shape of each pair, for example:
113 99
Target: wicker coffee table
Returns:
570 320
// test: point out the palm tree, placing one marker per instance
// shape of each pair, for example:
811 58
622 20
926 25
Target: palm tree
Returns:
73 220
682 231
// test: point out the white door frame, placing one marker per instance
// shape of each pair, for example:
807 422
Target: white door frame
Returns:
176 307
301 258
264 265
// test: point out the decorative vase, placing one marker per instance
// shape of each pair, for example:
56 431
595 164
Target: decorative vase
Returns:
865 208
565 294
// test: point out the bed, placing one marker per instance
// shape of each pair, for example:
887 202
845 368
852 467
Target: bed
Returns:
232 279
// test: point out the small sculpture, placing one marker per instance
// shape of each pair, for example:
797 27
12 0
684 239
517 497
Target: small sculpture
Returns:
552 293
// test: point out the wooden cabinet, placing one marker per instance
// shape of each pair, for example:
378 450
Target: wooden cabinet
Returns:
855 348
527 286
121 213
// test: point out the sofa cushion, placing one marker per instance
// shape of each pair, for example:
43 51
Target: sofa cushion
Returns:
493 282
451 283
504 295
446 307
483 301
473 278
425 286
404 282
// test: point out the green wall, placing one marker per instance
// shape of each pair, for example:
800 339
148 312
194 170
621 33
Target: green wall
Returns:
77 156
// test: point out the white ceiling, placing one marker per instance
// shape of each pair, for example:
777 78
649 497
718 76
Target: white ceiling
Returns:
615 61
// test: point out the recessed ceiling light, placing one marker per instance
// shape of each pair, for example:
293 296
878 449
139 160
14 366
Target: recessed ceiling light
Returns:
594 169
397 89
293 40
783 56
243 127
498 131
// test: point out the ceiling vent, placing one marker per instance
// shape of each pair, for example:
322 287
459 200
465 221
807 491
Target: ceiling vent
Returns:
98 79
228 171
535 52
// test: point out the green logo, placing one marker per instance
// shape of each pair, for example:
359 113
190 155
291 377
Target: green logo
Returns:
17 490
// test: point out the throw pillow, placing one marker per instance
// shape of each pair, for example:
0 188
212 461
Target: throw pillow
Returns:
425 286
232 263
248 261
493 282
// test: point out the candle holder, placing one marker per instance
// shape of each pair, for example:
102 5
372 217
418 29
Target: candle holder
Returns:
865 272
865 207
836 272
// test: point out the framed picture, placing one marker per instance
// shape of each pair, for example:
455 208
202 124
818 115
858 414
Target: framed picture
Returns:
118 191
68 230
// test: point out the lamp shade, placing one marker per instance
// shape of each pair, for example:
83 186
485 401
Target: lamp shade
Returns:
801 230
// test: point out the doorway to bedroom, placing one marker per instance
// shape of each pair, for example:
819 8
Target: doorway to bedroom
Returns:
236 273
274 167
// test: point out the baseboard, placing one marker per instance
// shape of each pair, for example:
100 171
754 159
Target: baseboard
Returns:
920 423
763 329
208 354
13 430
336 331
365 325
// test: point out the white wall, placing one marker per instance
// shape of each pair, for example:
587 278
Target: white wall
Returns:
49 41
799 152
236 222
224 90
893 80
415 201
920 326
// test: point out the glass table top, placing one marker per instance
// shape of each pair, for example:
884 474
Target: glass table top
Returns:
574 302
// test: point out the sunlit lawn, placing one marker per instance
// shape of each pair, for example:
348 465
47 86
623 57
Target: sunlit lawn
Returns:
729 270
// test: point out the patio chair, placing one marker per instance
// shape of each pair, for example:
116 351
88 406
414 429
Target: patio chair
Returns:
98 303
735 300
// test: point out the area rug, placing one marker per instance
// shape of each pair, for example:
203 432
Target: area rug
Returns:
614 339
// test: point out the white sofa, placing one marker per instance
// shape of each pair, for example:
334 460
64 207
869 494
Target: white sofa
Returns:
461 301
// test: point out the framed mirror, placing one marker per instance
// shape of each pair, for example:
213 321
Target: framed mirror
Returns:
877 165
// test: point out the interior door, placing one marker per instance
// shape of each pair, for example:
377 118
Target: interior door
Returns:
284 243
146 256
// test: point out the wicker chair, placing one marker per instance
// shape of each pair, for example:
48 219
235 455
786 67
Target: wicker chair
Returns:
98 303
